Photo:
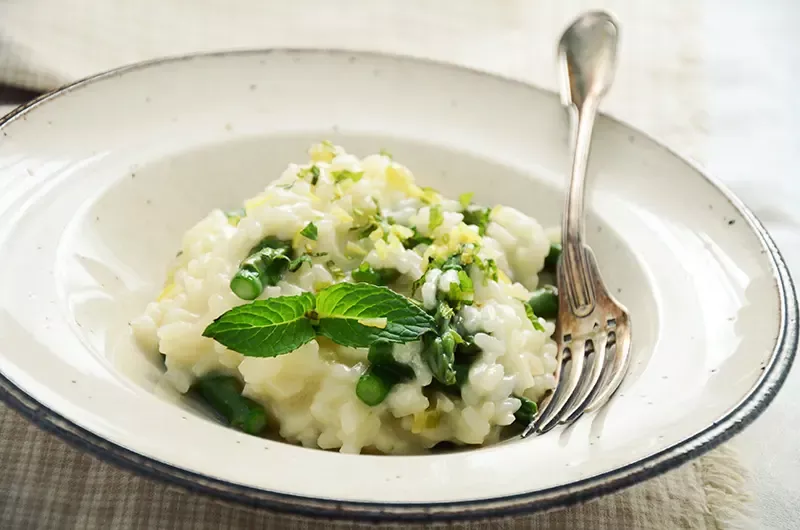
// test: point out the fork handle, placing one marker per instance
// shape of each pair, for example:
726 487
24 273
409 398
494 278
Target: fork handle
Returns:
579 292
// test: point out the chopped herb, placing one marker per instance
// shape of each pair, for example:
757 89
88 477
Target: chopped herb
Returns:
477 216
295 265
310 231
429 195
465 282
488 267
366 274
386 153
452 263
416 239
234 216
335 270
465 199
345 174
285 186
532 317
436 218
312 172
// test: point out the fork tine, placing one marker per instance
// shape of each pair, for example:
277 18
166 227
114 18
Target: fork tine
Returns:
589 381
566 388
618 369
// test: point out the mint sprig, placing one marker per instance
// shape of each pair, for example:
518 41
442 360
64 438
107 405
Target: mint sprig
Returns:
354 315
265 328
358 314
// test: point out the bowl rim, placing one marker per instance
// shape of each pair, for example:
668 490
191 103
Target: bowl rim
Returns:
741 415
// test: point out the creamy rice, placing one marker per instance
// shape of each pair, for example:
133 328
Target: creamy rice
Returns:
310 392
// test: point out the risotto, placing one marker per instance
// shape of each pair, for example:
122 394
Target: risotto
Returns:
346 307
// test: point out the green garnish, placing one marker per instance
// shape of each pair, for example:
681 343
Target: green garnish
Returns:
265 328
417 239
355 315
264 266
465 199
544 302
344 308
295 264
532 317
224 394
346 174
310 231
488 267
335 270
436 218
312 171
234 216
477 216
366 274
526 411
386 153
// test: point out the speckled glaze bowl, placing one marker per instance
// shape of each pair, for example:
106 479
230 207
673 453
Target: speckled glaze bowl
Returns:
99 180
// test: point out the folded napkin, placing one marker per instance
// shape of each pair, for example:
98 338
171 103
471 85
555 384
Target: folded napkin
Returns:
45 43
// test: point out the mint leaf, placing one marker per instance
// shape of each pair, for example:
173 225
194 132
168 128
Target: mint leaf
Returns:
310 231
265 328
358 314
436 218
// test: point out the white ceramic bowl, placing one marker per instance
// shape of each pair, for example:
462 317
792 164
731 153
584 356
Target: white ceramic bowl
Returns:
99 180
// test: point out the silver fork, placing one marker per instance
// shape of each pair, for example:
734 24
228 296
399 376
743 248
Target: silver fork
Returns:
590 320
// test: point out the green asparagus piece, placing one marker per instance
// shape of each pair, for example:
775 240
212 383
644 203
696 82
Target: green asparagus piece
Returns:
380 354
373 387
439 349
544 302
527 410
224 394
384 372
264 266
551 261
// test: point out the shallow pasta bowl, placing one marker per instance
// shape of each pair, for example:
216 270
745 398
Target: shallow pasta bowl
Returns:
99 180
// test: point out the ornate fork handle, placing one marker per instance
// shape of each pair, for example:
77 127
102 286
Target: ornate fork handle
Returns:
578 284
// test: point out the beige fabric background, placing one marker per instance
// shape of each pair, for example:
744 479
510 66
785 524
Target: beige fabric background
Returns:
46 484
45 43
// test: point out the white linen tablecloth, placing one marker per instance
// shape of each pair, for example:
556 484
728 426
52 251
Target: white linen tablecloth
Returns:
714 80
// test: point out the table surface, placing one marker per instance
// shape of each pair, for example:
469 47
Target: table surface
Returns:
744 69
